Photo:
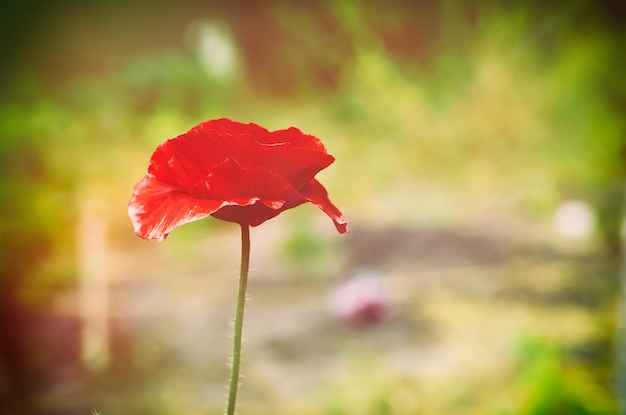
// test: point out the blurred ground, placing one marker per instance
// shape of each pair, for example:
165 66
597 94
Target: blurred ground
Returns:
473 311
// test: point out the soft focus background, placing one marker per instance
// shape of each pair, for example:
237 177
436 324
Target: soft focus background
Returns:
481 151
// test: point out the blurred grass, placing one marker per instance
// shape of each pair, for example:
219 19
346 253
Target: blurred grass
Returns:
501 112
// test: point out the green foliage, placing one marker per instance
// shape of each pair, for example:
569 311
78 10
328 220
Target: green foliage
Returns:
549 382
60 148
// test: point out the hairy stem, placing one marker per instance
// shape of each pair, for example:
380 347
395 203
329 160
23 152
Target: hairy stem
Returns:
241 300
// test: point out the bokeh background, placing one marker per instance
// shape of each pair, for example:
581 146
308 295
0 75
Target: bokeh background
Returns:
480 156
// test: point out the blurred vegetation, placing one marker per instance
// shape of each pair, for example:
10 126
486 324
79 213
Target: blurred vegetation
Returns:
544 380
525 101
476 107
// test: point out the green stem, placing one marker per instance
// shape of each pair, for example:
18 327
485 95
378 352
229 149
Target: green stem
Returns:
241 300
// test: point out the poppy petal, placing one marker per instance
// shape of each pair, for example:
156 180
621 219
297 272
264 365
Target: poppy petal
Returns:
297 165
316 193
156 208
223 126
262 193
297 139
292 135
187 159
290 153
301 156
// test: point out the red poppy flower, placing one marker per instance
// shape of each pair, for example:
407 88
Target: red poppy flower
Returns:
232 171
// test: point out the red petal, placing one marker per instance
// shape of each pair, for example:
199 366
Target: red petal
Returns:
294 155
291 135
297 165
253 214
156 208
254 195
298 139
186 160
225 126
316 193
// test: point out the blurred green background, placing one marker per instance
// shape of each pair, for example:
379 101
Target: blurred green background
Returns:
480 156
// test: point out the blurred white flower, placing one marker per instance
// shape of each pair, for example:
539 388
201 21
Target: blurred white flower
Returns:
574 219
216 48
362 300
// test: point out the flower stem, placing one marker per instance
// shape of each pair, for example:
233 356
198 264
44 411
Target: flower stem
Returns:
241 300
